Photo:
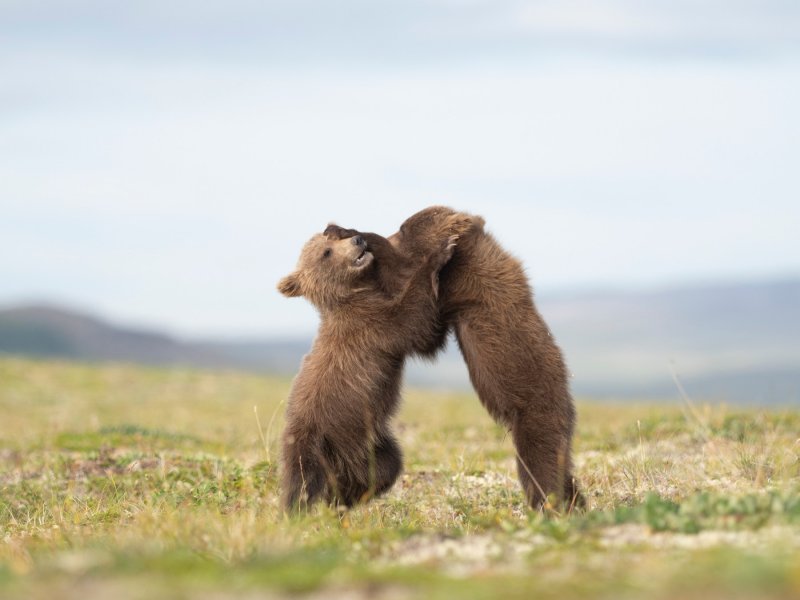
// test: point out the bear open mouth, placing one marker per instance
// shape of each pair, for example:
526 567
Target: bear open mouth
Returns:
362 259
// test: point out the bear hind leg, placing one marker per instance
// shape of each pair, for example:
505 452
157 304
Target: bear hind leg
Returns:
543 461
384 466
304 481
388 462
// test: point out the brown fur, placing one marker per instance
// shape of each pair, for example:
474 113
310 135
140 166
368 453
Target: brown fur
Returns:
338 445
513 361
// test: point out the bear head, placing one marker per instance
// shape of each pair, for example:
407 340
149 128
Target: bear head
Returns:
329 270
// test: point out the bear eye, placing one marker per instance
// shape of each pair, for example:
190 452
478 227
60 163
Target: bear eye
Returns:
327 253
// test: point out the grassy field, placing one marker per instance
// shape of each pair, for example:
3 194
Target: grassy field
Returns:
123 482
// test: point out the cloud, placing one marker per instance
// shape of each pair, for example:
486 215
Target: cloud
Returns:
407 31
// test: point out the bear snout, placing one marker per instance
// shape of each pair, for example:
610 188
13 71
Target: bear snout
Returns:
357 240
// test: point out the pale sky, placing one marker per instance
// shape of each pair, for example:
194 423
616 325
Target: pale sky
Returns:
163 163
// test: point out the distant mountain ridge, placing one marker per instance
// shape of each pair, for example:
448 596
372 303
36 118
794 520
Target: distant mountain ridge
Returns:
700 332
734 342
45 330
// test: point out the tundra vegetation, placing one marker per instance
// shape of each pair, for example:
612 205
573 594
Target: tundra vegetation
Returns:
128 482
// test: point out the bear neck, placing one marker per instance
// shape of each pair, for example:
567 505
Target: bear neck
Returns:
366 301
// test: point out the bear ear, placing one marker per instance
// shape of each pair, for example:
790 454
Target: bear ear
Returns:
289 286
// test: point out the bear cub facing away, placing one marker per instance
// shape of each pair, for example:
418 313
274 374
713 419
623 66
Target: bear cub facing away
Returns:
513 362
338 445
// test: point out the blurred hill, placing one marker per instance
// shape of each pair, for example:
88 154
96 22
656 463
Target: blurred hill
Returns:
52 331
733 342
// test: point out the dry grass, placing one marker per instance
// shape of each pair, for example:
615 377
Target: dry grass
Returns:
126 482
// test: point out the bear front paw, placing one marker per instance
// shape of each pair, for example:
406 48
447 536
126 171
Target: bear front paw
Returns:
439 260
462 223
446 252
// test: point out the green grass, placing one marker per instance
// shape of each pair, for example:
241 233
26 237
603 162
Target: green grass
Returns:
126 482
